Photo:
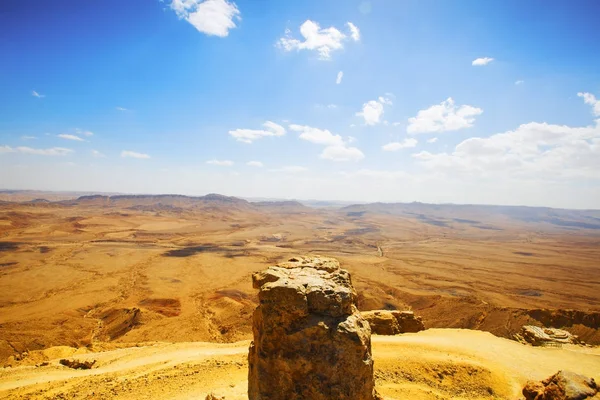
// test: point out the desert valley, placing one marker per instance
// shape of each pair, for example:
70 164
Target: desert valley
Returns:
117 272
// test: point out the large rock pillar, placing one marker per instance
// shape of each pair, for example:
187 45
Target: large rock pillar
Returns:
310 340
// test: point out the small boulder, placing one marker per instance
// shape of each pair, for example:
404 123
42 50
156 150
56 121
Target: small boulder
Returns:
77 364
393 322
563 385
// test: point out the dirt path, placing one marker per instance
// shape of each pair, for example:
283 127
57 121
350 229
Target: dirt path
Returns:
434 364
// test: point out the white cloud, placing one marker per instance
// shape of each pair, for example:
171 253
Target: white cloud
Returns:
337 149
442 117
395 146
36 94
479 62
212 17
432 140
351 139
318 136
324 41
25 137
134 154
519 82
340 75
590 99
82 132
70 137
121 109
255 164
342 153
97 154
250 135
373 110
6 149
354 31
54 151
221 163
533 150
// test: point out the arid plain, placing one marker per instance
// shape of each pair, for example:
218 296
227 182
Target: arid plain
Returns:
105 272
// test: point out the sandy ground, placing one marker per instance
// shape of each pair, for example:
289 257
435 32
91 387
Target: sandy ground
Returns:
433 364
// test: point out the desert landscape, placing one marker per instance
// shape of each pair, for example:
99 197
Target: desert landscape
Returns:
143 276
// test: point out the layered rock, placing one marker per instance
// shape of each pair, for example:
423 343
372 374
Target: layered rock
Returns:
393 322
563 385
310 340
537 336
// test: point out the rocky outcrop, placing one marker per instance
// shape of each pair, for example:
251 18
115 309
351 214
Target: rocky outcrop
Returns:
393 322
75 364
310 340
563 385
537 336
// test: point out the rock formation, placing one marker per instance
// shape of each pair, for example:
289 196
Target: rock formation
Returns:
310 340
537 336
563 385
393 322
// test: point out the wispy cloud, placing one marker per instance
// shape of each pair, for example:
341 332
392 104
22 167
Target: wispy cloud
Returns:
354 31
250 135
38 95
134 154
84 133
97 154
340 75
212 17
432 140
479 62
221 163
519 82
122 109
54 151
395 146
25 137
70 137
6 149
255 164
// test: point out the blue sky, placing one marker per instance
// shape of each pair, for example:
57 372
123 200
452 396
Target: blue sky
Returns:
467 102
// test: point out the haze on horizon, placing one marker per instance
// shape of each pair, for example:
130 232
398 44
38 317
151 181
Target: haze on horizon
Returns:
437 102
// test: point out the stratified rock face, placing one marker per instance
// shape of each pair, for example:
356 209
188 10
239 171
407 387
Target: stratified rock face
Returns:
563 385
537 336
393 322
310 341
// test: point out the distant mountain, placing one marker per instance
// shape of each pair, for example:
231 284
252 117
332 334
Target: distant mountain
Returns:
443 214
161 200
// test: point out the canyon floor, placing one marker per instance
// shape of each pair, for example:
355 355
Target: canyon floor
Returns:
101 271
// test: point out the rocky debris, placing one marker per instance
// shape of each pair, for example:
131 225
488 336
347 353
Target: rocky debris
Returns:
537 336
116 322
310 340
393 322
77 364
563 385
212 396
